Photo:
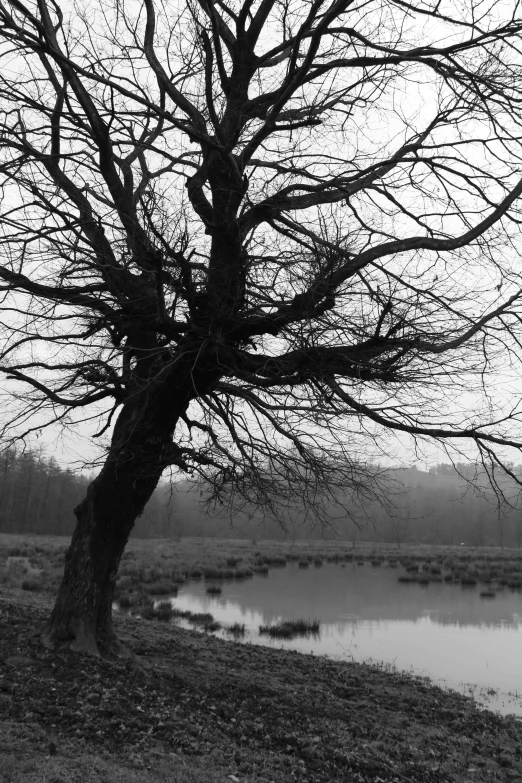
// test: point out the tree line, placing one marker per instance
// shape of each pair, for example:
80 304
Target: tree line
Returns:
38 495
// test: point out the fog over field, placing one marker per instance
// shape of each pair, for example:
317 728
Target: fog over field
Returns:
37 495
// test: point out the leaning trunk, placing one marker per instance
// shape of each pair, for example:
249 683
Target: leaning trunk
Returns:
82 615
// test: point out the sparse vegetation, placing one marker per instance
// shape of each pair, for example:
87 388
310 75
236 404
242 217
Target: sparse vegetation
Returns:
152 569
237 629
289 629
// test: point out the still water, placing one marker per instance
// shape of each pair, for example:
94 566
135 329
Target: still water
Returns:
443 631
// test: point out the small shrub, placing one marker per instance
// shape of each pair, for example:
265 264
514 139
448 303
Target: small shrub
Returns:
214 590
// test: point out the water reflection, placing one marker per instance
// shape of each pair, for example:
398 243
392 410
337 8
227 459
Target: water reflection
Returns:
441 630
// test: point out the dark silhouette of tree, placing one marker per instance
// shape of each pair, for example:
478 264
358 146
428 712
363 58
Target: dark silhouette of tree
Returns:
252 237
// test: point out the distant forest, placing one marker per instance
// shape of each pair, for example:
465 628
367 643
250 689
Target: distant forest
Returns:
37 495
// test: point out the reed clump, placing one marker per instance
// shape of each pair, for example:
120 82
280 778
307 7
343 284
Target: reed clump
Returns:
237 629
289 629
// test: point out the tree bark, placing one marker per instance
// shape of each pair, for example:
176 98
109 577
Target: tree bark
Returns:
82 614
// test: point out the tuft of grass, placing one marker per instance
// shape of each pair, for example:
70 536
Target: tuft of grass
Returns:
163 588
237 629
214 590
275 560
32 585
212 626
163 611
289 629
199 618
244 573
147 611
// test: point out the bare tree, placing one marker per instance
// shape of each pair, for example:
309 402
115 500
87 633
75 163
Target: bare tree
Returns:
252 237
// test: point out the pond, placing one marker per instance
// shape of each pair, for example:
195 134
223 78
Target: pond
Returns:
440 630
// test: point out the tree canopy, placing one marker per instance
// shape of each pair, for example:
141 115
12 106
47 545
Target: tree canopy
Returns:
252 237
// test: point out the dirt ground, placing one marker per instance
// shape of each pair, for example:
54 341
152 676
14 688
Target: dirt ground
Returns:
195 708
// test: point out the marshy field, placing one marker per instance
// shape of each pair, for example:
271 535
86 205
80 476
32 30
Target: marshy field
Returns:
201 702
152 568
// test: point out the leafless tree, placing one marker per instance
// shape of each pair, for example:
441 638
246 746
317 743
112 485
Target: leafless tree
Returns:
252 237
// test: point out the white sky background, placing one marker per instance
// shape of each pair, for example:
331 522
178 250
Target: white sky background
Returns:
75 445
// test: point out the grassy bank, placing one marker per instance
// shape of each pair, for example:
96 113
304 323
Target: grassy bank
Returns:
196 709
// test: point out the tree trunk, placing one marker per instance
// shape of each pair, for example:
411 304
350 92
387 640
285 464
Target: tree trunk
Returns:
82 614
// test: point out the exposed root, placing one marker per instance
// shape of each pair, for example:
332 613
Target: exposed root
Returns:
111 647
84 640
48 639
76 635
79 636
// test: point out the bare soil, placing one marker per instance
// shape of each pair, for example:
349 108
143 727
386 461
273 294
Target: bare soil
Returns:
194 708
